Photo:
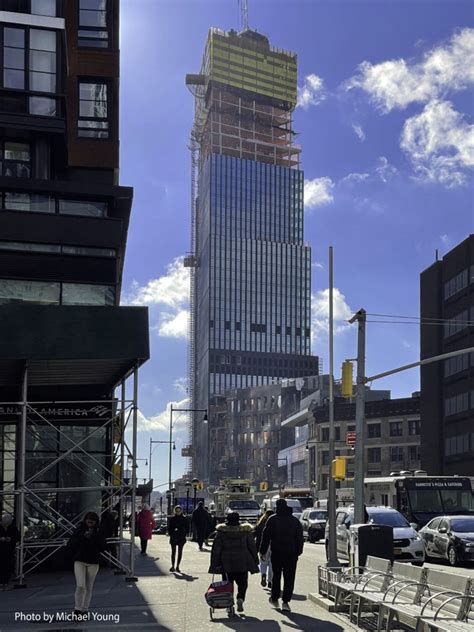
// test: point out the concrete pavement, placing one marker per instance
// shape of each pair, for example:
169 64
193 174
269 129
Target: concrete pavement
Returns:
161 600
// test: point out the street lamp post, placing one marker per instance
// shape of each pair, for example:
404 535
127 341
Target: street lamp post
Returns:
168 498
195 483
152 441
173 497
179 410
188 488
280 458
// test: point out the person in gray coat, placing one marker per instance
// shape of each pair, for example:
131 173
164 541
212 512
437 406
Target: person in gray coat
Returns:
234 554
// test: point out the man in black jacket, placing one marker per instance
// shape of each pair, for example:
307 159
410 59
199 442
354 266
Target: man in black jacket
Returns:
283 533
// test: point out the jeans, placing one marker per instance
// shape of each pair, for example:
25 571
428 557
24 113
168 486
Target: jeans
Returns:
287 566
85 577
266 566
173 553
143 544
242 581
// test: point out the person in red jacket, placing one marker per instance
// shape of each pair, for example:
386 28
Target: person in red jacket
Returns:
145 524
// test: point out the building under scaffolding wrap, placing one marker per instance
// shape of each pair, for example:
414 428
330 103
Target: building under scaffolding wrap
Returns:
68 417
250 269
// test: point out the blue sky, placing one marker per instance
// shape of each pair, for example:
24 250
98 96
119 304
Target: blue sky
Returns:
385 121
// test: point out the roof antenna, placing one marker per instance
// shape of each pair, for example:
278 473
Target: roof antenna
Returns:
244 15
436 254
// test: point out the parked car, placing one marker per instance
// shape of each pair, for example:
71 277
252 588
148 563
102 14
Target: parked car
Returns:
314 524
408 545
161 523
450 538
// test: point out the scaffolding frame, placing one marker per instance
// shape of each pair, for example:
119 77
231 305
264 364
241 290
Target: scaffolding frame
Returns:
114 487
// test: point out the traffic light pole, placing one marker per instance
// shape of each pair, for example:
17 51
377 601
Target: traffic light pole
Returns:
359 464
362 380
332 547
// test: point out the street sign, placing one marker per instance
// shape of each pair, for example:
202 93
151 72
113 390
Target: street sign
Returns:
351 438
187 451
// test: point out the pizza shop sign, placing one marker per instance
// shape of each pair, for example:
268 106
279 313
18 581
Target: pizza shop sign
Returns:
71 412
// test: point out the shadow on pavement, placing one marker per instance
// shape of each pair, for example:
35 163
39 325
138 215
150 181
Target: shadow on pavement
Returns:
188 578
248 623
299 598
298 621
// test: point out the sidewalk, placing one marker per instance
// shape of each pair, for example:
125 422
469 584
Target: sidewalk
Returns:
161 600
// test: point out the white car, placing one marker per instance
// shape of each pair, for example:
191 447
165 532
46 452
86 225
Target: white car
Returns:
408 545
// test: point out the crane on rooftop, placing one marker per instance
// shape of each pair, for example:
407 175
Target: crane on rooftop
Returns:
244 15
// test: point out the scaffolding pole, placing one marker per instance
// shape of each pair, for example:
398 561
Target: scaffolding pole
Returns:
111 485
131 569
20 518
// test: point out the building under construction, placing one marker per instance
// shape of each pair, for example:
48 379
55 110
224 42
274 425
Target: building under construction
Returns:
250 320
66 346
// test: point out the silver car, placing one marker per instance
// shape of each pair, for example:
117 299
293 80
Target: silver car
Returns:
408 545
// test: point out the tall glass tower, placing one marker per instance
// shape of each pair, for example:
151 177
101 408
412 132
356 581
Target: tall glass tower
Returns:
250 269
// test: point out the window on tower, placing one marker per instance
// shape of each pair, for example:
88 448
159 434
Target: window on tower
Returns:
93 110
94 22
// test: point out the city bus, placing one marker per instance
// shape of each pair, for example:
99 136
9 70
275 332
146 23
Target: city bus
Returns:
421 498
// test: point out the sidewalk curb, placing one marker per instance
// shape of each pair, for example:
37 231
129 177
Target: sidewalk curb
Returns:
322 602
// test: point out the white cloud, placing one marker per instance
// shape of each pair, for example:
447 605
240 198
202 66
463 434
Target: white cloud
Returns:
173 325
406 344
359 132
318 192
317 264
313 92
444 238
355 177
320 313
171 289
161 421
384 169
439 143
397 83
181 385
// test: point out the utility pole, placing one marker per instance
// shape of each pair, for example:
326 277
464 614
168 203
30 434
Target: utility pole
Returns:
359 467
332 547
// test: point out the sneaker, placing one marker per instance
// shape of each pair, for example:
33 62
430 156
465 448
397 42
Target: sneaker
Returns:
172 569
263 581
273 602
177 569
285 606
240 605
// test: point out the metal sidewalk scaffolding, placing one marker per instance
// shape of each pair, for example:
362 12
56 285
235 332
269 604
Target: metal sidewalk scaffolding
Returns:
90 480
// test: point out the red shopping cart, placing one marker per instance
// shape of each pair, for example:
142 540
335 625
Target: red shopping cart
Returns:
220 596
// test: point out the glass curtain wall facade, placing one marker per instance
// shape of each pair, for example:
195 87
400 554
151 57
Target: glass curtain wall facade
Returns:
252 307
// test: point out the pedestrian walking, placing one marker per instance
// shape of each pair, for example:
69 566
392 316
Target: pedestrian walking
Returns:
9 536
266 571
283 533
200 520
146 524
109 526
86 545
234 554
178 530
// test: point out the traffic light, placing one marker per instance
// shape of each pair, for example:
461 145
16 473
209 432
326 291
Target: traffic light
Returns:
339 468
346 379
263 486
200 486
